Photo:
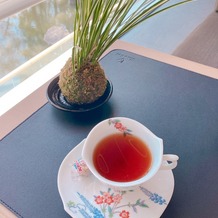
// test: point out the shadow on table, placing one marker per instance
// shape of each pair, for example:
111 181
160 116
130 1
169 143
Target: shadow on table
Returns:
85 118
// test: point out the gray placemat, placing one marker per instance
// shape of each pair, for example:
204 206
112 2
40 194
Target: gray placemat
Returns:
177 105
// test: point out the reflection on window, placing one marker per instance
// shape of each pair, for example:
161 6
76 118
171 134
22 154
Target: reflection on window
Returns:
28 33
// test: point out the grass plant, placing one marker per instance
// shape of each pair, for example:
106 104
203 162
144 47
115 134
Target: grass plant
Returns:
97 25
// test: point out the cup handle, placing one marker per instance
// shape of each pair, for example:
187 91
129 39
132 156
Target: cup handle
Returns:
169 162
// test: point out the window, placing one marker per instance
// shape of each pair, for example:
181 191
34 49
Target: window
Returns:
27 36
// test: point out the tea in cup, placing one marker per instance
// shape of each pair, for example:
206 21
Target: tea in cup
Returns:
123 153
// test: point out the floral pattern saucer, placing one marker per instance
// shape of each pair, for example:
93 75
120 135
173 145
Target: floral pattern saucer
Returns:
83 196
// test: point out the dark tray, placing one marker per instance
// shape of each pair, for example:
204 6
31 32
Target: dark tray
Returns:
177 105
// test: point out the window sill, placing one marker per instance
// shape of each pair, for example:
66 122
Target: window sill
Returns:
44 74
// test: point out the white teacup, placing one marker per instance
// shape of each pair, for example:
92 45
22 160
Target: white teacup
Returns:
133 134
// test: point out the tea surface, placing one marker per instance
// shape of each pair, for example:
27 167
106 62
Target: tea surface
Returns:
122 158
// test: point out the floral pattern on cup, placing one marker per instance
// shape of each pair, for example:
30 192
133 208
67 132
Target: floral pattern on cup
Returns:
119 126
109 204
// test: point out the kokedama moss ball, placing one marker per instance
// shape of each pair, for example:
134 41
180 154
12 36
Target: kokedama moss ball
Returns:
84 86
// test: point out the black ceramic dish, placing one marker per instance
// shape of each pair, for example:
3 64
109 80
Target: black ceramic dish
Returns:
56 98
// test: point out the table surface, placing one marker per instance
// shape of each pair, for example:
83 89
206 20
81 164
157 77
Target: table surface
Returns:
177 103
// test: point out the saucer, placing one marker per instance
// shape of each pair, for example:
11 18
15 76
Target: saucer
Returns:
56 98
84 196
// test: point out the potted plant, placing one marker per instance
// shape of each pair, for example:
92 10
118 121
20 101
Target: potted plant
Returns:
97 25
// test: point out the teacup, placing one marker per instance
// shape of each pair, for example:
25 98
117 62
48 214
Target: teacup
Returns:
123 153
